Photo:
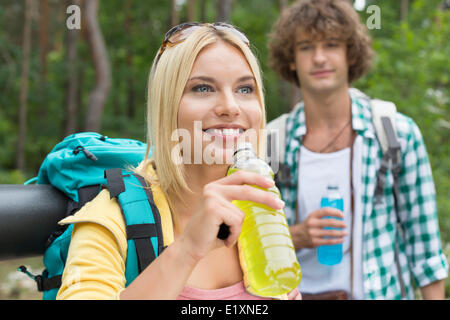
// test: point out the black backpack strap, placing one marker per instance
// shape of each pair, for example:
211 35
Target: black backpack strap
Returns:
155 212
114 180
142 219
140 234
85 194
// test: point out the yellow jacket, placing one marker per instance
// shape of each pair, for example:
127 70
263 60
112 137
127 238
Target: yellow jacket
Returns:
95 267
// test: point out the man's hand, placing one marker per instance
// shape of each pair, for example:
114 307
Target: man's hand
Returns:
434 291
310 233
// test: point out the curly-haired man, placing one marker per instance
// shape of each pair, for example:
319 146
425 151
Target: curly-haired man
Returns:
322 47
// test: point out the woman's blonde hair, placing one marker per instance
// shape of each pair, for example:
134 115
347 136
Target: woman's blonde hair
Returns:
167 80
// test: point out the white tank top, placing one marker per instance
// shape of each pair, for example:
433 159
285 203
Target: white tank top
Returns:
315 172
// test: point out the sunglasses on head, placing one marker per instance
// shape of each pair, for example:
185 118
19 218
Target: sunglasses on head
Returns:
182 31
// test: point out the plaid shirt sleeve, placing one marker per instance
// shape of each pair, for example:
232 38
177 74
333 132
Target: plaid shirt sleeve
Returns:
417 209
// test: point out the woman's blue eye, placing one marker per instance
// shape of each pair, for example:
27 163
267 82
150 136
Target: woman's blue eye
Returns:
202 88
245 90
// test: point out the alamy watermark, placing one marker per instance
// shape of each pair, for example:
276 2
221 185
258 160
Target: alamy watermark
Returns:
73 21
374 20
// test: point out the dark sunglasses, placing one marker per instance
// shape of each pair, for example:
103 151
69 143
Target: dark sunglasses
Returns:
182 31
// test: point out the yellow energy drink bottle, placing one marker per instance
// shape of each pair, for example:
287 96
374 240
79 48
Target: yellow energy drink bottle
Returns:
266 252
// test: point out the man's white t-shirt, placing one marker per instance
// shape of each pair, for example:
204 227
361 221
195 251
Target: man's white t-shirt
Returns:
316 171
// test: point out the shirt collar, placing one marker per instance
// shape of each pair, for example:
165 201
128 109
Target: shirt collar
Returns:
361 116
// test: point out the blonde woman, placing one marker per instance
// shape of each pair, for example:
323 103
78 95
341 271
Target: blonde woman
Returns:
204 84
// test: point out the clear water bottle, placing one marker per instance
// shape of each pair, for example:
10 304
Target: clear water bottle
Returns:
331 254
266 252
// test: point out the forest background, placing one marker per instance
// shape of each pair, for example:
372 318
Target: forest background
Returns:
55 81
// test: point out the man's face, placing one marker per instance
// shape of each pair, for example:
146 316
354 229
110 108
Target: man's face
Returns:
321 63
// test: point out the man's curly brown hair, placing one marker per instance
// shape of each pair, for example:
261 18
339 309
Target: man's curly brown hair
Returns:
321 19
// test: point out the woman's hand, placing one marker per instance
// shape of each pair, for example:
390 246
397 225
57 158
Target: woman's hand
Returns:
215 208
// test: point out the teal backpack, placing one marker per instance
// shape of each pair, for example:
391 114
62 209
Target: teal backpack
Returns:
80 166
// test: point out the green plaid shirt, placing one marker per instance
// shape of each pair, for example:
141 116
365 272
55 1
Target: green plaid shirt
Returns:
421 257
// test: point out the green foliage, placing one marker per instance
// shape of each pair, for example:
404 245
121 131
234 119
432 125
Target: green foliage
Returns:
12 177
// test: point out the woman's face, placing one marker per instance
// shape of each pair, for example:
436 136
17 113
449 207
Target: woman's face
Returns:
219 106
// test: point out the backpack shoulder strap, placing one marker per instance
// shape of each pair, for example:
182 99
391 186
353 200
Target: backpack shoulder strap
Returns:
276 138
383 111
142 218
276 144
276 147
383 114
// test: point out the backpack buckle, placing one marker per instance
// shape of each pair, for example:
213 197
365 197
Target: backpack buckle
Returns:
39 283
37 278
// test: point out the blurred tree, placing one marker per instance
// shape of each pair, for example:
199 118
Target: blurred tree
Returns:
174 20
223 10
203 10
129 61
99 94
404 9
26 48
283 4
72 78
43 52
288 89
191 10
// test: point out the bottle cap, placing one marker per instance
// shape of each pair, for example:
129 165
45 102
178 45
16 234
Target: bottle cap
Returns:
243 146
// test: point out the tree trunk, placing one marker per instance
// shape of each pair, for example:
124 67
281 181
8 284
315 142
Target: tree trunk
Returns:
191 10
26 47
223 10
283 4
404 9
203 10
287 89
174 20
98 96
72 83
129 62
444 5
43 52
